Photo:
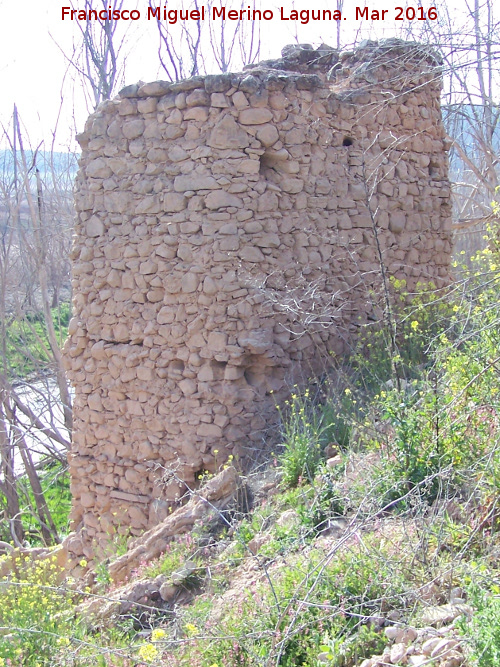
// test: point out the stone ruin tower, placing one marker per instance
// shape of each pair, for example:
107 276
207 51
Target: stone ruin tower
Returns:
229 237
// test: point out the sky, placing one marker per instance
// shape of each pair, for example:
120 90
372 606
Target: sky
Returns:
36 75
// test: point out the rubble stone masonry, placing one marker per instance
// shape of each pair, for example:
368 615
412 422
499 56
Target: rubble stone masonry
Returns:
226 244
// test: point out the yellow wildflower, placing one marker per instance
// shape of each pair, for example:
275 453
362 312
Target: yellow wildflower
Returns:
148 652
190 629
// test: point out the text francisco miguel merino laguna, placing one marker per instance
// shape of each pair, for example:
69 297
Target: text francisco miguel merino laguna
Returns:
304 15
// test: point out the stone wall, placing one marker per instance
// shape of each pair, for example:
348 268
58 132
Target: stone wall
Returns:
226 245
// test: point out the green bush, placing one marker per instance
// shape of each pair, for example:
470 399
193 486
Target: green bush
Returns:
342 651
483 629
326 503
37 613
303 438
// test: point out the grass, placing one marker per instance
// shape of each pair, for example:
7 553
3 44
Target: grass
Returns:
54 478
56 488
484 629
27 345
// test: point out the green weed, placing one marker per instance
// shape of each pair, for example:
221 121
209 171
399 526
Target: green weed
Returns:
26 341
483 630
37 612
303 439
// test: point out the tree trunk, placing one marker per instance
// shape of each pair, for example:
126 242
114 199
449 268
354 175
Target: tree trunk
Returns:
47 526
10 486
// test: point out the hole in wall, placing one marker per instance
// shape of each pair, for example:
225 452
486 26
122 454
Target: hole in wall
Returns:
249 377
218 368
266 163
348 141
433 168
254 378
271 162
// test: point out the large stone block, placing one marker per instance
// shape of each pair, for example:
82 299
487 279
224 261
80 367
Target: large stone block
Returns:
256 116
228 134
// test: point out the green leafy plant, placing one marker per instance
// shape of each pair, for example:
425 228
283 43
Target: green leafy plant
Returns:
326 503
37 612
303 438
414 449
483 629
343 651
337 418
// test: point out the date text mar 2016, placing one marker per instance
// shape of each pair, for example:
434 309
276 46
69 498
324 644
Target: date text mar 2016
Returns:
303 16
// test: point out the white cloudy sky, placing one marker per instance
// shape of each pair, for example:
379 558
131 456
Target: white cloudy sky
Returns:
34 73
